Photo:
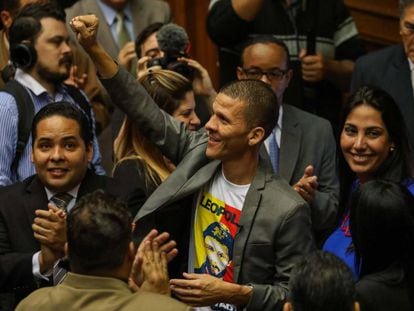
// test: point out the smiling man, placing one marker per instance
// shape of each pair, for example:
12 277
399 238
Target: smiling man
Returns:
61 152
233 191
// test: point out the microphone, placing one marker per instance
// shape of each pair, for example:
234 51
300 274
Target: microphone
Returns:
173 39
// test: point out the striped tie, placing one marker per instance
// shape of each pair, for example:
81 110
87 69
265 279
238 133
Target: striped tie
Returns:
61 200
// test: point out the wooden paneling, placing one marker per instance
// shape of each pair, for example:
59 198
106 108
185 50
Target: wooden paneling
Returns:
377 21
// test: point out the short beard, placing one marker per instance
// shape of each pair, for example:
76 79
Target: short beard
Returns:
55 78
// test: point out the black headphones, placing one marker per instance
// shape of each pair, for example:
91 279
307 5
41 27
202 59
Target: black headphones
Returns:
23 55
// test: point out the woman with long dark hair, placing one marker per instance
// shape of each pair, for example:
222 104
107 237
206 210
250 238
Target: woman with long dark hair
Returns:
382 228
374 145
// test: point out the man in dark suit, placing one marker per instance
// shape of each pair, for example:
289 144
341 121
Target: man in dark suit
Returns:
61 152
247 226
392 68
305 142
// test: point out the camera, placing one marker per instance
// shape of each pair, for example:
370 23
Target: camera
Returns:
171 63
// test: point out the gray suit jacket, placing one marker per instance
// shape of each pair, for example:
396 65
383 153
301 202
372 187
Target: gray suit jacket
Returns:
388 69
144 12
308 140
274 228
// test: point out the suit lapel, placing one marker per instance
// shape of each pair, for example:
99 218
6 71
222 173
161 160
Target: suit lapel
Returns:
35 198
399 79
138 16
248 214
290 142
172 189
91 182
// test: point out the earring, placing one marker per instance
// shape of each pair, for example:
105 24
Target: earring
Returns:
392 148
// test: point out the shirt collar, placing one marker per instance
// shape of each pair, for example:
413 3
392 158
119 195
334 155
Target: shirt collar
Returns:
33 85
110 13
411 64
279 121
29 82
73 192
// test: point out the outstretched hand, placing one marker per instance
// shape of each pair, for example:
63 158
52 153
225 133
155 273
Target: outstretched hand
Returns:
155 269
137 277
307 185
85 28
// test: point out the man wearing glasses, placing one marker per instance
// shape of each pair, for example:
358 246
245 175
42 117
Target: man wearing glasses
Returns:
392 68
301 147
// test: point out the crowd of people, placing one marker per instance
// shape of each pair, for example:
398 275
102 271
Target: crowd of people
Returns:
128 182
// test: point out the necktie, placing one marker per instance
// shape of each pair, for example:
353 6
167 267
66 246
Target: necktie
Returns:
61 200
121 30
274 152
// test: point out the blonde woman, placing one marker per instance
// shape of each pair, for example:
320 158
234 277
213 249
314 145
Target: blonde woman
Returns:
140 166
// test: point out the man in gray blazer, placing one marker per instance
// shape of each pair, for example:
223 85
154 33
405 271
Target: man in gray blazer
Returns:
247 226
307 153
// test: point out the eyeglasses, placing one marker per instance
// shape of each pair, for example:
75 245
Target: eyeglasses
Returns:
272 75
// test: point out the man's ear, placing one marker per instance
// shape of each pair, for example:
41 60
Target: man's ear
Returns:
89 150
66 249
287 306
256 135
356 306
131 251
6 19
240 74
289 75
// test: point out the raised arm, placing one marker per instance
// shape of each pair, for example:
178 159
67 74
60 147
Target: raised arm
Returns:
159 127
86 27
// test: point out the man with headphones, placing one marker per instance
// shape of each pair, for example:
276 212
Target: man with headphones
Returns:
39 49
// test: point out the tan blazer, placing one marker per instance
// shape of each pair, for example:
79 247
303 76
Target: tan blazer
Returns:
82 292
